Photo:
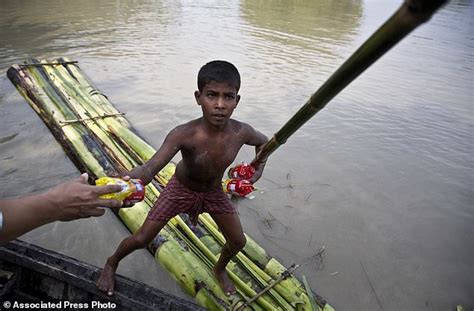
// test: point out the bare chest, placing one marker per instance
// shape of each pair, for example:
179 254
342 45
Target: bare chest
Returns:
212 155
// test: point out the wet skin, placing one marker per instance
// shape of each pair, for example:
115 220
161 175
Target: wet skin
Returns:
208 146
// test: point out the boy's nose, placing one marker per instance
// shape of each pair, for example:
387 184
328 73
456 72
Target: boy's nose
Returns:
220 103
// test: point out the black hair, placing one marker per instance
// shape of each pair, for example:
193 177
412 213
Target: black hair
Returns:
218 71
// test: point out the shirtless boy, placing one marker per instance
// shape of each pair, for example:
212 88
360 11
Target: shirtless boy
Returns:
208 146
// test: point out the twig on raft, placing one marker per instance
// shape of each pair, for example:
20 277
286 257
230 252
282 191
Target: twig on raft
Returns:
283 276
91 118
48 64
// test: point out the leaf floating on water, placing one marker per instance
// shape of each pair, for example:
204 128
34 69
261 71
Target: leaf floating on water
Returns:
7 138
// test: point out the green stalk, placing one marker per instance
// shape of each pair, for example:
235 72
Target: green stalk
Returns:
83 108
263 301
101 101
210 265
61 103
277 292
78 102
215 248
44 102
272 268
175 258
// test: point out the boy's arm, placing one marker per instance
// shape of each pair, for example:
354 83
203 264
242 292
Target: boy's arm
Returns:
171 145
257 139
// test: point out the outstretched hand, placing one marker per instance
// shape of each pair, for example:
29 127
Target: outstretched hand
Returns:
77 199
67 201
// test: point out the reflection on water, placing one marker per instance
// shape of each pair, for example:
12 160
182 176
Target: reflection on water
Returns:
306 23
382 177
100 28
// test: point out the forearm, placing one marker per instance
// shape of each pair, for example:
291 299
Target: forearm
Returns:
142 172
163 156
258 163
24 214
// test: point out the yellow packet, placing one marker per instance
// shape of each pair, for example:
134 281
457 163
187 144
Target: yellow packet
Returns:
128 188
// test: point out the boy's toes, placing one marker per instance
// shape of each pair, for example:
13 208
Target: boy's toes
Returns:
230 289
230 292
105 289
224 281
106 281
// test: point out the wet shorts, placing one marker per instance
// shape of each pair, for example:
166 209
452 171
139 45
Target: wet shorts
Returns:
177 198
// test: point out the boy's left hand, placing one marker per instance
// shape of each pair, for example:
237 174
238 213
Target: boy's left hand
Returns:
258 166
256 176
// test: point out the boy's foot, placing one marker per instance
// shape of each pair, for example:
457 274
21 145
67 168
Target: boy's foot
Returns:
106 282
226 284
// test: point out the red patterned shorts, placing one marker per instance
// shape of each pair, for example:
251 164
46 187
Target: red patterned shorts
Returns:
177 198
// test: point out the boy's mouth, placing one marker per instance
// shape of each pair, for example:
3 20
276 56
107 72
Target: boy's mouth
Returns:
219 116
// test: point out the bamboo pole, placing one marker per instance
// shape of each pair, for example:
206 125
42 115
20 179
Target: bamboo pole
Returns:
410 15
290 293
72 137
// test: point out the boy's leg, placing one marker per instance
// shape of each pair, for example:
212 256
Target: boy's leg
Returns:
230 226
139 239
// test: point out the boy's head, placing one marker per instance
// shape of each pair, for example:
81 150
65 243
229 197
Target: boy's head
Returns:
218 71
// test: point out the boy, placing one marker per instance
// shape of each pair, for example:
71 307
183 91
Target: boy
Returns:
208 146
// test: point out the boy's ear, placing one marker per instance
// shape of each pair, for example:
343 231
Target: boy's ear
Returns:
197 94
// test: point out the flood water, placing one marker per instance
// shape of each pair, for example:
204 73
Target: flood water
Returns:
382 178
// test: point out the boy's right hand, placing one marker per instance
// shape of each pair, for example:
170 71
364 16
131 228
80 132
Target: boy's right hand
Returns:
124 177
126 204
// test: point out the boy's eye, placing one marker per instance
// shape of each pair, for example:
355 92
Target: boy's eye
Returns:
211 95
229 97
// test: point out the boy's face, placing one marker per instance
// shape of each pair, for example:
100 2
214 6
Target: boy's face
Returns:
217 100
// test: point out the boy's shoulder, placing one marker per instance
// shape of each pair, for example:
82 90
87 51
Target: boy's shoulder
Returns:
190 125
236 124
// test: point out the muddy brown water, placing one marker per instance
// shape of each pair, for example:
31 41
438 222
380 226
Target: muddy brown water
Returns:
382 178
